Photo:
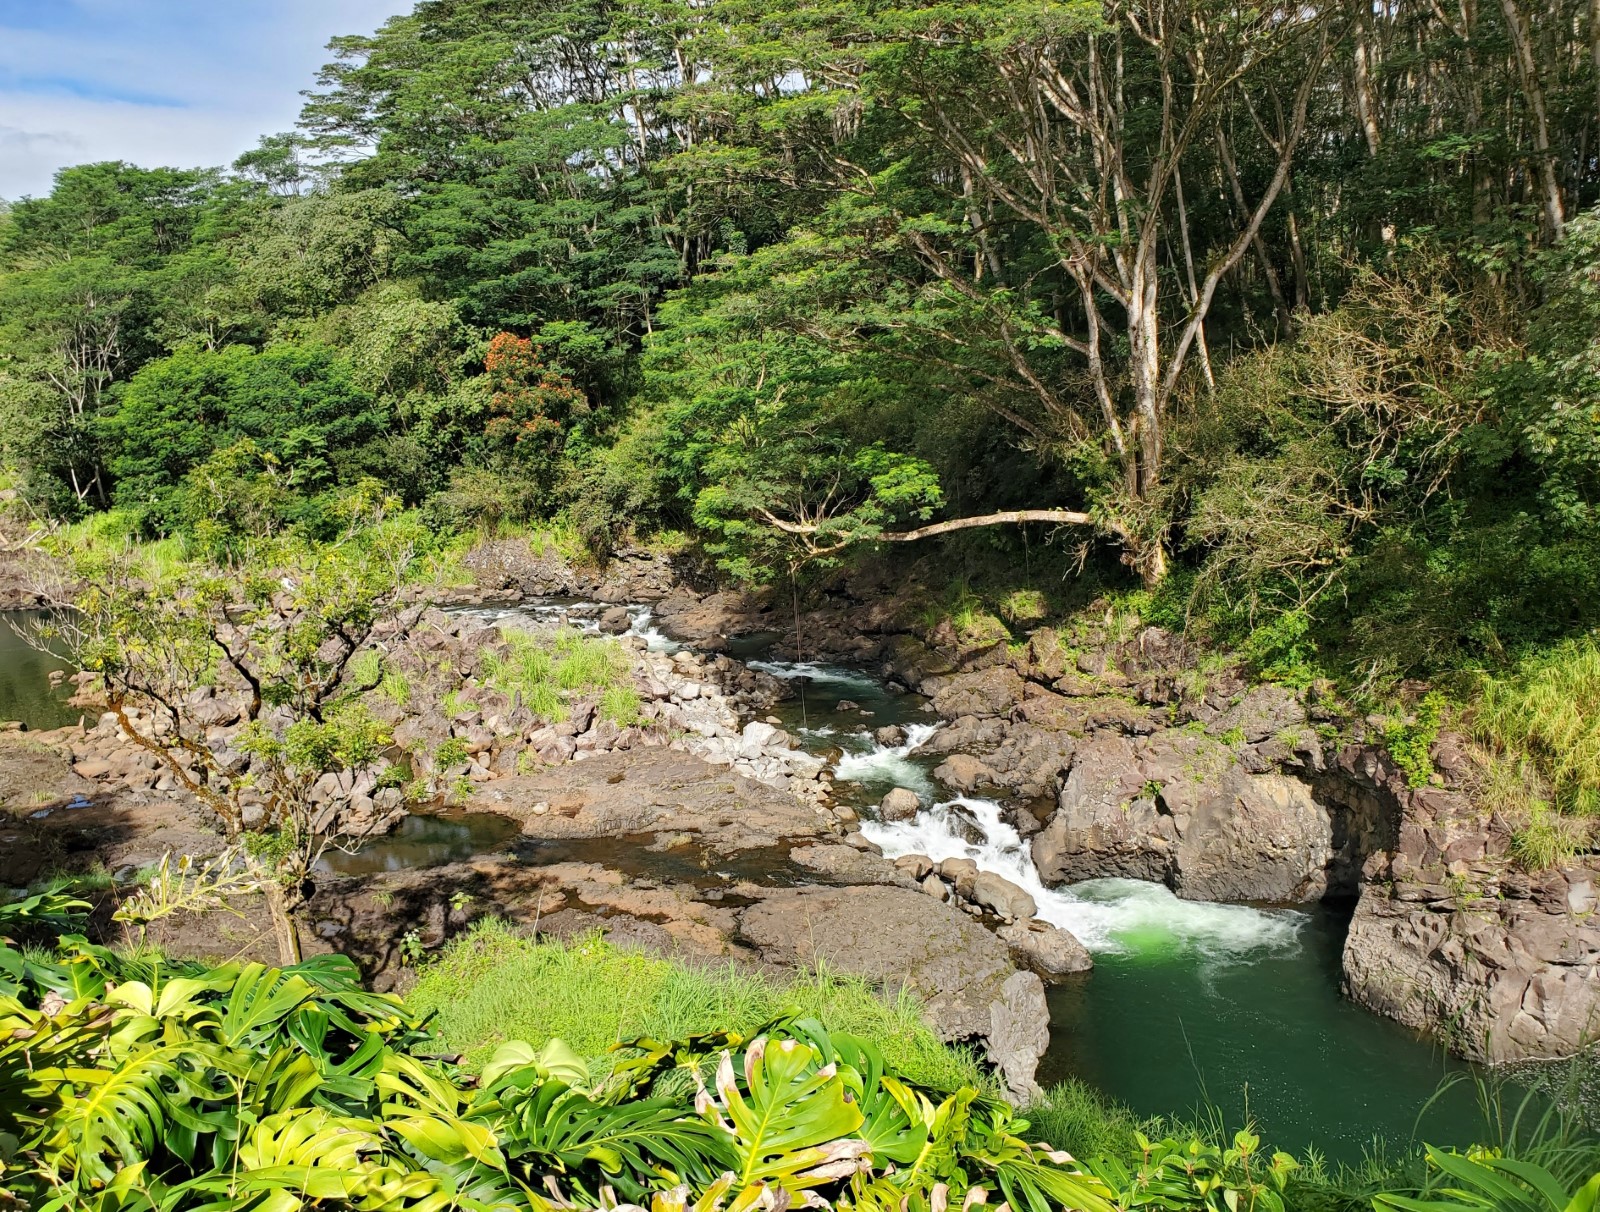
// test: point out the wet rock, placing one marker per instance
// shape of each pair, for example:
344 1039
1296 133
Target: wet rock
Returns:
1047 949
890 736
901 804
616 620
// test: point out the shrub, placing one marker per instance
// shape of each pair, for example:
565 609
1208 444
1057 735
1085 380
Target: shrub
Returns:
1411 744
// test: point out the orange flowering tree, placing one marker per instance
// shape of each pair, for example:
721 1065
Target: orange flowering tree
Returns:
531 402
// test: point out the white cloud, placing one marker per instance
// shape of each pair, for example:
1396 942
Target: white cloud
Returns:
185 83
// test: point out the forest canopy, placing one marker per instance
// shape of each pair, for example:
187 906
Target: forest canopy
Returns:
1285 314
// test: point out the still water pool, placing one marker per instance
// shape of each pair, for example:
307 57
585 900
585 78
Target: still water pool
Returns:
25 691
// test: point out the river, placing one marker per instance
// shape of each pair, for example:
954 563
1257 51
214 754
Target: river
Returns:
1190 1005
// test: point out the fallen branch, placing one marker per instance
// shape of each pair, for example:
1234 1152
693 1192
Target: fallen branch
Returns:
1060 517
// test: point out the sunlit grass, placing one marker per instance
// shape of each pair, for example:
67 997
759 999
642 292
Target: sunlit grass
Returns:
494 985
543 670
1547 714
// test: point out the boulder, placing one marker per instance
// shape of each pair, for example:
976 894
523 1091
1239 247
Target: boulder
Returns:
901 804
961 972
615 620
964 772
917 866
1179 809
1514 978
1000 895
1049 950
961 872
994 691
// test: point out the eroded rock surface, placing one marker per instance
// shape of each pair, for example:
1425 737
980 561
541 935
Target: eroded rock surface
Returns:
1179 808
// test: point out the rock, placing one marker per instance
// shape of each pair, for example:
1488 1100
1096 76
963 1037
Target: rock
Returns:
847 705
901 804
92 768
1178 809
964 772
890 736
616 620
917 866
1263 712
935 887
961 972
1019 1033
1002 896
1513 980
961 872
1049 950
985 692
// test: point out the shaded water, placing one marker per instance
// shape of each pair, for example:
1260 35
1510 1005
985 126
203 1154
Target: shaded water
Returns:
25 690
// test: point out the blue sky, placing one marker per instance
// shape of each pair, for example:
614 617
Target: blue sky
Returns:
157 82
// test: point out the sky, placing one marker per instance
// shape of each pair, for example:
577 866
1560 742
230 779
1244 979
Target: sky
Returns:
180 83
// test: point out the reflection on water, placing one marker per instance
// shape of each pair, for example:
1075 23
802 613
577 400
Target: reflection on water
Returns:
25 690
425 840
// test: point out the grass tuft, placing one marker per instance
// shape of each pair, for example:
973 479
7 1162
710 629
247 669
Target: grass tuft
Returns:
493 985
1548 713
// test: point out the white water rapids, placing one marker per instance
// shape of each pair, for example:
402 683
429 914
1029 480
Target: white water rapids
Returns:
1106 915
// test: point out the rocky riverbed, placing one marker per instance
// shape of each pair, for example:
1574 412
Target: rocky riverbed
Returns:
712 825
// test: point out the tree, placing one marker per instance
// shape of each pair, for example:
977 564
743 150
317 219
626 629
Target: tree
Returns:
1022 169
277 643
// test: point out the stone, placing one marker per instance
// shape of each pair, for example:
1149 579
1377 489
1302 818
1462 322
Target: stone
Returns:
93 768
1513 980
1019 1033
615 620
1047 949
1178 809
961 972
935 887
961 872
999 894
917 866
964 772
901 804
890 736
995 691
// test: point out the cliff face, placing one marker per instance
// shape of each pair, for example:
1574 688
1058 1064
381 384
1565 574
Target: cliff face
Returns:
1449 936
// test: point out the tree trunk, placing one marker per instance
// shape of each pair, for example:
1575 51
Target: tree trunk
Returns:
284 929
1549 179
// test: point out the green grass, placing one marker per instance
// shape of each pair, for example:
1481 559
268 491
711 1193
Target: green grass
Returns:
494 985
543 671
1549 713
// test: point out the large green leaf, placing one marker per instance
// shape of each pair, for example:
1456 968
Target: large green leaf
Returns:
793 1123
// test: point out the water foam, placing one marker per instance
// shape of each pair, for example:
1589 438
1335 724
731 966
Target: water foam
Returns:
832 675
888 765
644 627
1106 915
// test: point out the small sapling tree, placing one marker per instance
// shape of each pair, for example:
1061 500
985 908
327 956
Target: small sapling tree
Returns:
273 640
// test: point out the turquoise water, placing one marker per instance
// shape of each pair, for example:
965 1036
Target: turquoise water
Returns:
1192 1008
1260 1034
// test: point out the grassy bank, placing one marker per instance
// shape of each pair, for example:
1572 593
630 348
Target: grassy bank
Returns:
494 985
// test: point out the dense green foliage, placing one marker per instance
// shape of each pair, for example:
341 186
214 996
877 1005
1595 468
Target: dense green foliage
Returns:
130 1082
1287 316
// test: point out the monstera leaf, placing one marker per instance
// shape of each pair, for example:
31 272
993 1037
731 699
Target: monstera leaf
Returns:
635 1146
793 1122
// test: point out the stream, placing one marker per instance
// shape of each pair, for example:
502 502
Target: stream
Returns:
1190 1004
